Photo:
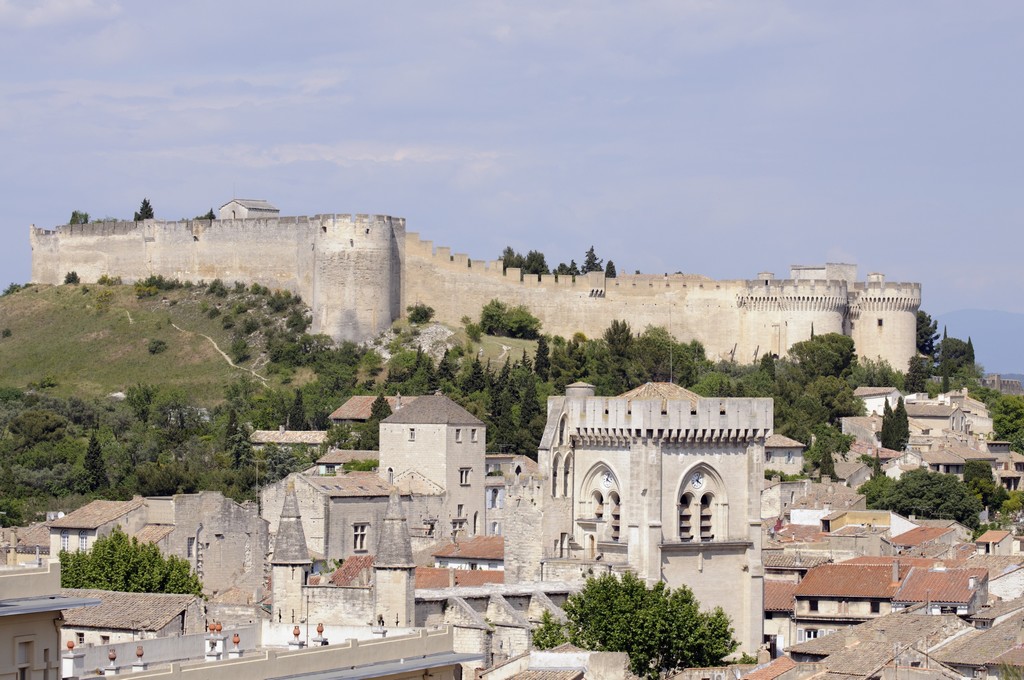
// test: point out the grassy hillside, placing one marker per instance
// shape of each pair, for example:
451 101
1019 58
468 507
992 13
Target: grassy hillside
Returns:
91 340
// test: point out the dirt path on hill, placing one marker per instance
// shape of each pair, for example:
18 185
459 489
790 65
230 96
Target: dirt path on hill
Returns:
226 357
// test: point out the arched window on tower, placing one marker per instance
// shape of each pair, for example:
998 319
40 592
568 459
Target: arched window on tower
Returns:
616 510
598 501
391 475
706 531
554 476
567 477
686 518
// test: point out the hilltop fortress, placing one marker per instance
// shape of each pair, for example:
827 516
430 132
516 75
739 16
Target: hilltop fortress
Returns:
360 272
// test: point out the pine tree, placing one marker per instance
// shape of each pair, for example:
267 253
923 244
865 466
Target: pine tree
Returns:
542 359
446 369
297 414
145 211
828 465
969 356
917 375
380 409
609 270
95 470
591 263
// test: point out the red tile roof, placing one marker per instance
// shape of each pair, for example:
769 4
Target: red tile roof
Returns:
351 571
919 535
436 577
479 548
848 580
778 596
947 585
359 407
771 670
905 562
992 536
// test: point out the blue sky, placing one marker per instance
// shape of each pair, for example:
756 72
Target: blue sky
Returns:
712 137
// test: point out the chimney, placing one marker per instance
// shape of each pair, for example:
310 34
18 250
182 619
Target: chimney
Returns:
972 582
895 571
451 577
398 400
280 428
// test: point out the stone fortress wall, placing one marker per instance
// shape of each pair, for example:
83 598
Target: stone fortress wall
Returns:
359 272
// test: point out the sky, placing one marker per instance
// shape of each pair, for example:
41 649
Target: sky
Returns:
723 138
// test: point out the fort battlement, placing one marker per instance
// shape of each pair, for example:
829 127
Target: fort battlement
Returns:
360 271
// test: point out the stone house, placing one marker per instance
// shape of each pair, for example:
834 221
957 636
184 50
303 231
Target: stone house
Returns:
874 398
79 529
836 596
123 617
333 462
779 628
996 542
783 454
920 538
433 447
482 552
242 208
657 480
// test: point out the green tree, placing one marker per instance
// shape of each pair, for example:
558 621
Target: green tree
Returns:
549 633
79 217
419 313
927 334
609 270
918 373
207 216
117 562
72 278
591 262
95 469
535 263
297 419
902 426
932 495
661 629
145 211
1008 420
542 359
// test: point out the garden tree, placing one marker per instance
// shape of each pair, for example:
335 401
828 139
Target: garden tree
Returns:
95 470
895 426
79 217
824 355
1008 420
609 270
535 263
117 562
927 334
954 355
931 495
978 478
591 263
871 373
210 215
549 633
875 489
497 318
660 628
828 443
918 373
145 211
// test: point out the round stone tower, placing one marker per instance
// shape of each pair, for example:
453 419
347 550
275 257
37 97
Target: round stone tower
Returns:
883 320
357 274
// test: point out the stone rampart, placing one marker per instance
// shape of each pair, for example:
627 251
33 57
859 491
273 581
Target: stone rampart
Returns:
359 272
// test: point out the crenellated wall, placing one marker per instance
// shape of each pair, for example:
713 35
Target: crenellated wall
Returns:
360 272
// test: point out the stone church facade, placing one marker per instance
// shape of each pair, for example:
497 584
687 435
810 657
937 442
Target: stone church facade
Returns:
658 481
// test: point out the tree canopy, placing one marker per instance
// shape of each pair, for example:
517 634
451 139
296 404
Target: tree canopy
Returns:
145 211
930 495
117 562
660 628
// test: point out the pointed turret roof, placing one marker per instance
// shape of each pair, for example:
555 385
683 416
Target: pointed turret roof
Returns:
290 542
394 550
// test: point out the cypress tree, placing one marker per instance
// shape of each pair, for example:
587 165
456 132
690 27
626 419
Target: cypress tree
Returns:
888 427
901 425
542 360
297 414
609 270
95 470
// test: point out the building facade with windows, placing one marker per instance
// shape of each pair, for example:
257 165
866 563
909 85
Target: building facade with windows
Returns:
658 480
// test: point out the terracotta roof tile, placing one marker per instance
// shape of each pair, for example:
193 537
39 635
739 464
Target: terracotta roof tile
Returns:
865 391
349 484
438 577
433 409
359 407
779 441
479 548
848 580
354 571
919 410
289 437
154 533
997 565
902 627
663 391
919 535
342 456
138 611
546 674
947 585
96 514
992 536
782 559
778 596
771 670
34 534
981 647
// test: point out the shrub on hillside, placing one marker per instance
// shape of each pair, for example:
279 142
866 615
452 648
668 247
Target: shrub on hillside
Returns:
71 278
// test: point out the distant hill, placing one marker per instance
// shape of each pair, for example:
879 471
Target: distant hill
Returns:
92 340
995 335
